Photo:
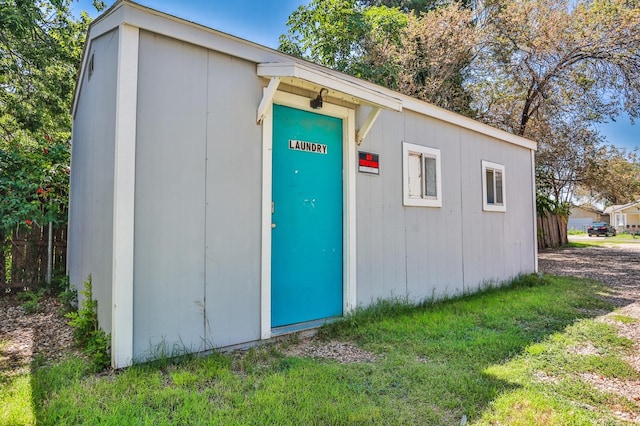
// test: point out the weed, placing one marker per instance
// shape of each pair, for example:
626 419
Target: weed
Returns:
530 280
623 319
87 333
31 300
384 309
59 282
381 309
67 294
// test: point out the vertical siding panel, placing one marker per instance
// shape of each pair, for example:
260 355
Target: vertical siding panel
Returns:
519 230
381 262
445 237
497 246
393 227
417 264
233 229
474 220
170 204
368 196
434 264
90 240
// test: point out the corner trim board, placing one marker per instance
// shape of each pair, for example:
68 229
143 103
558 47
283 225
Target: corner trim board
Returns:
124 198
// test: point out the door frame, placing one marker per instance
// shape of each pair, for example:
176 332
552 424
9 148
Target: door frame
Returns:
348 194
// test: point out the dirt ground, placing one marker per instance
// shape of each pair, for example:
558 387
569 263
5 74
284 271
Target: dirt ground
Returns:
23 337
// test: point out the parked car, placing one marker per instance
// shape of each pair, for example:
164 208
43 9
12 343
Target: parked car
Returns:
601 228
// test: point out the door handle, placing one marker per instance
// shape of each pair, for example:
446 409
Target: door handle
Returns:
273 225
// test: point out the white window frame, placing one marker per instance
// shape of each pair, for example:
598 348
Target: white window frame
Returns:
493 207
424 200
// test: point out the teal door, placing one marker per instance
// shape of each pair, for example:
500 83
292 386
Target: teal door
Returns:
306 240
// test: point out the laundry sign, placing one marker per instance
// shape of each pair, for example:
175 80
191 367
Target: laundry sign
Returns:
316 148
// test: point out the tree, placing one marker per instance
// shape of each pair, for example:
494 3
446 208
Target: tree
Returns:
40 52
563 56
614 176
34 184
566 154
408 5
422 55
340 34
548 71
434 52
40 48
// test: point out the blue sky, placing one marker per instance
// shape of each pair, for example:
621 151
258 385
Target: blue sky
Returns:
263 22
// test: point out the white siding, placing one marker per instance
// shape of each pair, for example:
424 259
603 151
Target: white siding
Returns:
233 213
170 189
198 198
497 245
91 200
433 234
380 222
424 252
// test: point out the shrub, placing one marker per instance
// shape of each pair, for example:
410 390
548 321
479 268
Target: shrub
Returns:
31 300
87 334
67 294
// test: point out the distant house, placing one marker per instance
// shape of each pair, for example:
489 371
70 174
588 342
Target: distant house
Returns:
223 193
625 217
580 217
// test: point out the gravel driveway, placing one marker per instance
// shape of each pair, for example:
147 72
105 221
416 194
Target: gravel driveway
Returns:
617 265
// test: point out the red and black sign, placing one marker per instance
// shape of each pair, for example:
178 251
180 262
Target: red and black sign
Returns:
368 163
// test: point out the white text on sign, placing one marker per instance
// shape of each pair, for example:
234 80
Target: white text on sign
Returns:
317 148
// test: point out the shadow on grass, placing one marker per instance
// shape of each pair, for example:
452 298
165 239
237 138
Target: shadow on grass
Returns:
447 347
431 367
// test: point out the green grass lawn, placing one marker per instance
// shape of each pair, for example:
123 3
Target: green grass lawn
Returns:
603 241
506 356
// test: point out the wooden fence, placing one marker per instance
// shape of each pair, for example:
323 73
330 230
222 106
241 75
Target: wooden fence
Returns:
552 230
23 257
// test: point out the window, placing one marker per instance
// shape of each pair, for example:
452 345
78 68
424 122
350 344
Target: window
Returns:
620 219
90 67
493 192
421 176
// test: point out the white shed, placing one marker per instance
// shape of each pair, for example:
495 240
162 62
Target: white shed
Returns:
223 193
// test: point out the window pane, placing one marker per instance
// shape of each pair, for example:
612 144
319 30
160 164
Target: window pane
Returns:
490 193
498 176
415 175
430 177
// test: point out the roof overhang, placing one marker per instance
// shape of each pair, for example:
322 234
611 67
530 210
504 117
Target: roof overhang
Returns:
339 86
621 207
